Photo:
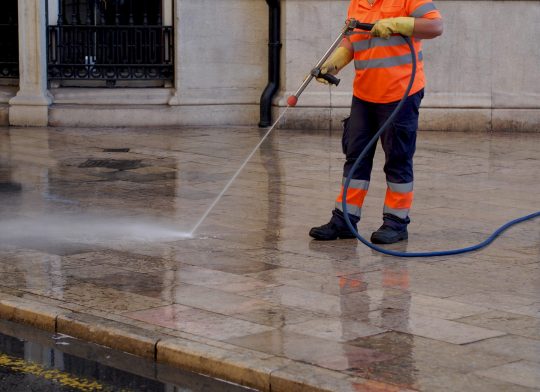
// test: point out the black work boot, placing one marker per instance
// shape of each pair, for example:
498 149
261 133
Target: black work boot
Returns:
336 228
388 235
394 229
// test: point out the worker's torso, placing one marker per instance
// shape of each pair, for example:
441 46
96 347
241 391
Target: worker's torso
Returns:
383 67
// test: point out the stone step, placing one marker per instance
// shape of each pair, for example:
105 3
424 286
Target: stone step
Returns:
151 115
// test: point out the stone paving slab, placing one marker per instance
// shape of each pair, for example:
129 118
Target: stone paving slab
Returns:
522 373
97 253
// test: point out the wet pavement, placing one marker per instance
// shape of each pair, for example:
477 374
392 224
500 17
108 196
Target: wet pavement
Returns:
34 360
96 221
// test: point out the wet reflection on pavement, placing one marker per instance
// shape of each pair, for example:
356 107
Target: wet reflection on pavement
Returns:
96 220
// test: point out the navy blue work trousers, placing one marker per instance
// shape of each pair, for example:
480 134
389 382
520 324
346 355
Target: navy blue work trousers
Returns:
399 145
398 141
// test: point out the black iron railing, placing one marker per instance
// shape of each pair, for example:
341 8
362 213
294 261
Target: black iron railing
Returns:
9 40
113 40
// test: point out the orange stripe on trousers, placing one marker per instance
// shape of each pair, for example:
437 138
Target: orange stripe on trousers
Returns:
355 197
398 200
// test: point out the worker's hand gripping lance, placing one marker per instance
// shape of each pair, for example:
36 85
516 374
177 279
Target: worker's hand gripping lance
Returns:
350 25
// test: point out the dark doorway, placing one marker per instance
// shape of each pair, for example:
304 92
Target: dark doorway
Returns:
9 40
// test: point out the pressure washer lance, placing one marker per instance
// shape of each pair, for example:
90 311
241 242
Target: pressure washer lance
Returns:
350 25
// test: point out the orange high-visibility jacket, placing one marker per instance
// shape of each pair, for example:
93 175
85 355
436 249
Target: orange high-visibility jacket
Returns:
383 67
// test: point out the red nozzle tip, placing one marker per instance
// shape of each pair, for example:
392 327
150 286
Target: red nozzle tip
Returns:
292 100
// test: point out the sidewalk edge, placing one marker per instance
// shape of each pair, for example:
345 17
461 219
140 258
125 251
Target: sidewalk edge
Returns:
266 374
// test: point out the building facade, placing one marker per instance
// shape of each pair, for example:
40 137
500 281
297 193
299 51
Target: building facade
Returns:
205 62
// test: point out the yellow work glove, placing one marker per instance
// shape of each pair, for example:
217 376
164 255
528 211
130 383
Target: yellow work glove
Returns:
384 28
339 59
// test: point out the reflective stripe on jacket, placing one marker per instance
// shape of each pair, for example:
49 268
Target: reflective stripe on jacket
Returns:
383 67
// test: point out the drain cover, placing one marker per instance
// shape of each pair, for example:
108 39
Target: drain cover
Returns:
118 164
10 187
116 150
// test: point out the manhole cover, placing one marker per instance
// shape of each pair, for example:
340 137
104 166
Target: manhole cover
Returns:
118 164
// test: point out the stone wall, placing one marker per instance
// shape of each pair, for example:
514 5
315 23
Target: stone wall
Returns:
480 76
222 55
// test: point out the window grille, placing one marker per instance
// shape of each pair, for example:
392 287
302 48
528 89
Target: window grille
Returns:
110 40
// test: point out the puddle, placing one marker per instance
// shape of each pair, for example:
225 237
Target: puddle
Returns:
34 360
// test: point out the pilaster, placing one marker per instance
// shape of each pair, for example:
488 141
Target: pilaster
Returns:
175 20
30 106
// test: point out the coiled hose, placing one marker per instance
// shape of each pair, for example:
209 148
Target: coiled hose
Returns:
374 140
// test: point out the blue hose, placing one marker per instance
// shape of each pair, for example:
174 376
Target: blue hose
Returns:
390 119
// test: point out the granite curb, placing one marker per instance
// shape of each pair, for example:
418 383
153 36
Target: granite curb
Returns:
269 373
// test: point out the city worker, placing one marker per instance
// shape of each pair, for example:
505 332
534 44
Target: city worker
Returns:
383 68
